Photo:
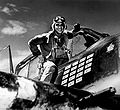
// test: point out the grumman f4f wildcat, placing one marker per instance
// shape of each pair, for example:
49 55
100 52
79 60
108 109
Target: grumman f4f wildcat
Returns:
90 80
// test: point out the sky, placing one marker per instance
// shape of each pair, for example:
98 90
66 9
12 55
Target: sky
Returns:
20 20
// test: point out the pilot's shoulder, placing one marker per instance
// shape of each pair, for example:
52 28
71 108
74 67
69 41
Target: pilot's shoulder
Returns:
69 34
36 37
43 35
48 34
66 31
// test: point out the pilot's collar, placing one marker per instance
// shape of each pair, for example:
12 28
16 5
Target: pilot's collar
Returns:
58 34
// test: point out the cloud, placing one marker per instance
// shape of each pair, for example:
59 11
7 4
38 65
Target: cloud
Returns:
6 10
9 9
14 28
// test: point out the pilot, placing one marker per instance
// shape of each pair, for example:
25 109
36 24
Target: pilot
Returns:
52 47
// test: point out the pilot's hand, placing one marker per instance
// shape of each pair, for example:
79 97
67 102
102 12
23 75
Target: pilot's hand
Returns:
41 59
76 27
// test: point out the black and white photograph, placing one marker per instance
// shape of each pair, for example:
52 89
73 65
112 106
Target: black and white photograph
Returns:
59 55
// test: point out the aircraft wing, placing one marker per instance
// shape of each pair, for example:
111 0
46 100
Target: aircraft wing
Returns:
21 93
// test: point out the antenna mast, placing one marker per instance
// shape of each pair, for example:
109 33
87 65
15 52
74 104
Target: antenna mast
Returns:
10 60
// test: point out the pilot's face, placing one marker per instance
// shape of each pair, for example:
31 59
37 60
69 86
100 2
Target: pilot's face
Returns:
59 28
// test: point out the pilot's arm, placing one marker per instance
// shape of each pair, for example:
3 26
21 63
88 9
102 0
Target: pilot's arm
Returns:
34 42
77 29
91 36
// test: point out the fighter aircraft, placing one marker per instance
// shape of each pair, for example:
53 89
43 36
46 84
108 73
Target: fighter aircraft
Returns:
90 79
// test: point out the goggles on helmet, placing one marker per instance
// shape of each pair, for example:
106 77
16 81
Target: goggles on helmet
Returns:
59 19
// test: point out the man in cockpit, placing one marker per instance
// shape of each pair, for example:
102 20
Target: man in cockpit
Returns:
52 47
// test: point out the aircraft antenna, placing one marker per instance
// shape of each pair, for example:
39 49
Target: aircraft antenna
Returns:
10 58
